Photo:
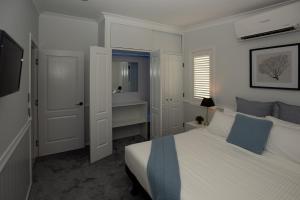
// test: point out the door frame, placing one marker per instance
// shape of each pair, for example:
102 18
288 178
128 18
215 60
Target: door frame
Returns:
33 44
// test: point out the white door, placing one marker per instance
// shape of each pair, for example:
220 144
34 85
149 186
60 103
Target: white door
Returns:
165 94
100 103
155 95
175 93
172 94
61 95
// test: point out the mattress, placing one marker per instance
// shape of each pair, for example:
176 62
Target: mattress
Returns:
212 169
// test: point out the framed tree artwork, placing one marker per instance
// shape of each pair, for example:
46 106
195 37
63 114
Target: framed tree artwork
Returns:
275 67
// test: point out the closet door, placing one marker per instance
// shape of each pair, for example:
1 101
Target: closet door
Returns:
100 103
155 94
175 93
165 94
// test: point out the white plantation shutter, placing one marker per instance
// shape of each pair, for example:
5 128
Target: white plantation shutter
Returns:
202 74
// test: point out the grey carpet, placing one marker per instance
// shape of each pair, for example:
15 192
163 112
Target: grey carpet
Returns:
70 176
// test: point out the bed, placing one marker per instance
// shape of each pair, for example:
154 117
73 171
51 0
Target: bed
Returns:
211 169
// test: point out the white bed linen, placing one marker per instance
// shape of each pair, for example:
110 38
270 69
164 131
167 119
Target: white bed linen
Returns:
212 169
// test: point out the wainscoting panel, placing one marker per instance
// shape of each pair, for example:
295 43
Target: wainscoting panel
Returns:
15 176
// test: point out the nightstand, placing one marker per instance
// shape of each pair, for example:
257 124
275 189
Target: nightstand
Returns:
192 125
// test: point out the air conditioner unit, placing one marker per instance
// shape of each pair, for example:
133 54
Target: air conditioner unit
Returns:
278 20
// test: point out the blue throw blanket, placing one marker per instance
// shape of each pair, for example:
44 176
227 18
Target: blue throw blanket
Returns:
163 170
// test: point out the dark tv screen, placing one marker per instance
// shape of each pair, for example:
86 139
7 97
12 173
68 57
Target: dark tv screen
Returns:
11 55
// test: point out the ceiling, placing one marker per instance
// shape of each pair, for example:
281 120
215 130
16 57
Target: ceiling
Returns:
171 12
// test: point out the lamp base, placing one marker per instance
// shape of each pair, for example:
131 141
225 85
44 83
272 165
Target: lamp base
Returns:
206 118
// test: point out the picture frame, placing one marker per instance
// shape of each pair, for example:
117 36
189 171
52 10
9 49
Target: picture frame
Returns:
275 67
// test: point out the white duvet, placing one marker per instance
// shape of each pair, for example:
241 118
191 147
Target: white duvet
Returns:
212 169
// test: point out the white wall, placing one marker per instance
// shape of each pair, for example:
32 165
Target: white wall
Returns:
101 33
18 18
62 32
66 32
232 66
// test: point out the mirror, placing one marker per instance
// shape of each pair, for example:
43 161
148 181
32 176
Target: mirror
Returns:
124 77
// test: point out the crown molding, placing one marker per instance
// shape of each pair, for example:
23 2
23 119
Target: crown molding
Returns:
142 23
233 18
115 18
53 14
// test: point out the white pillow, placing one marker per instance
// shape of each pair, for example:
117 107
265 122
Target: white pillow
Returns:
233 113
221 124
285 141
283 123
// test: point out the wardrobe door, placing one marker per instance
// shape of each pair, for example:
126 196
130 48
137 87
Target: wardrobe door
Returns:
165 94
175 91
155 95
100 103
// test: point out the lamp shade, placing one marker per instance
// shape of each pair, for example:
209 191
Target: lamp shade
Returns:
207 102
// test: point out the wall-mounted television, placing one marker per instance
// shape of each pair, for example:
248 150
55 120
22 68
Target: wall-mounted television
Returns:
11 59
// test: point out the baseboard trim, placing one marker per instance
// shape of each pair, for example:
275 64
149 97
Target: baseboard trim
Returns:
13 145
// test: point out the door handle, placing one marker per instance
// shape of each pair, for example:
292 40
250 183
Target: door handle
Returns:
79 104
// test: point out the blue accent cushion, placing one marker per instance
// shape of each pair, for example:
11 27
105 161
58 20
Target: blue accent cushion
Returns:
250 133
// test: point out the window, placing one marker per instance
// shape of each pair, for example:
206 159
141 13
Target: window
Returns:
202 74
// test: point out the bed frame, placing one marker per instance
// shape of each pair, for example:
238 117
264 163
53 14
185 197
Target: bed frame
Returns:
137 188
